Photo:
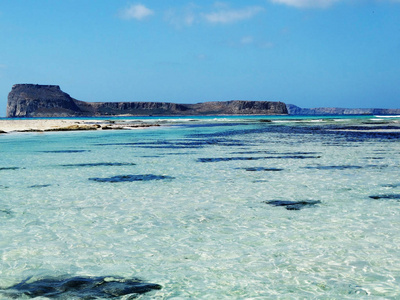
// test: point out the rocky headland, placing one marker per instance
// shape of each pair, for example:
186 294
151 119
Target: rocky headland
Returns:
33 100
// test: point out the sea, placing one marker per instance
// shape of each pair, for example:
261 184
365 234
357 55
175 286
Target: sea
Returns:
220 207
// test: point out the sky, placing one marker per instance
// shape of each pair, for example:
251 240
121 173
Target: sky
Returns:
311 53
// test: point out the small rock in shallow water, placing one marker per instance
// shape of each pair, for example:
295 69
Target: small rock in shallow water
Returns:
293 205
130 178
386 196
80 288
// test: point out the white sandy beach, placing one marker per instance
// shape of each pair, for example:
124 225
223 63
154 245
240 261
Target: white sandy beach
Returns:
40 125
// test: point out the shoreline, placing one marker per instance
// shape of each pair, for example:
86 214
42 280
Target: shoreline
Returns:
46 125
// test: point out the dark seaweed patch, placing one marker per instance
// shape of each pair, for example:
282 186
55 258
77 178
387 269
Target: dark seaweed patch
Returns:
378 166
293 205
334 167
179 153
40 185
386 196
180 144
6 212
391 185
256 169
276 153
80 288
254 152
65 151
333 134
164 147
104 164
300 153
9 168
296 157
218 159
130 178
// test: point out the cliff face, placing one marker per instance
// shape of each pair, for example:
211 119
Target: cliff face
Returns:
323 111
27 100
32 100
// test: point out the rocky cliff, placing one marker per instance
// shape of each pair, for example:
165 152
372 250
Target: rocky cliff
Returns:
33 100
324 111
27 100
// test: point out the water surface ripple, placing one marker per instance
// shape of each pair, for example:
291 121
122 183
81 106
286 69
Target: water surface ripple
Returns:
206 231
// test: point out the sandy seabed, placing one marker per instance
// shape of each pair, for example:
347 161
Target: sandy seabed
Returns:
41 125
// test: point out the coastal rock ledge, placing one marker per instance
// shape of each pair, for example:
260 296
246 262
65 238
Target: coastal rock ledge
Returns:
34 100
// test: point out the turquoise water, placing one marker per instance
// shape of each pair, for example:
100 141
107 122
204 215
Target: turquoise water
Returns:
185 205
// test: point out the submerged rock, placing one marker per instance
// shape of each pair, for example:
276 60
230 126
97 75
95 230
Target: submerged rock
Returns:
293 205
386 196
130 178
8 168
80 288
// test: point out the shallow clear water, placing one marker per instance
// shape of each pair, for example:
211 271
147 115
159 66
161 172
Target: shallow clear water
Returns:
204 230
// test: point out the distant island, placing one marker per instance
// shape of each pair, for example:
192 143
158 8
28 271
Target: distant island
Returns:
34 100
328 111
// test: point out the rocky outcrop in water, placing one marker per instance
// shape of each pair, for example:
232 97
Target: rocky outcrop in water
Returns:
33 100
80 288
323 111
293 205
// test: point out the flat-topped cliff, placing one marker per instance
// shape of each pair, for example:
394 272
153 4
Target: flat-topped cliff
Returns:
33 100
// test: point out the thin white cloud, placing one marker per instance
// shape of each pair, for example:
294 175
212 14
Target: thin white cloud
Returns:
306 3
250 41
135 11
247 40
226 15
186 16
321 3
202 57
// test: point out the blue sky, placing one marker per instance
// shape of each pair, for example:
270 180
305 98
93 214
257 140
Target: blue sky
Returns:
338 53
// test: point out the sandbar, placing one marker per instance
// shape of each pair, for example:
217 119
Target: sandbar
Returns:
44 125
